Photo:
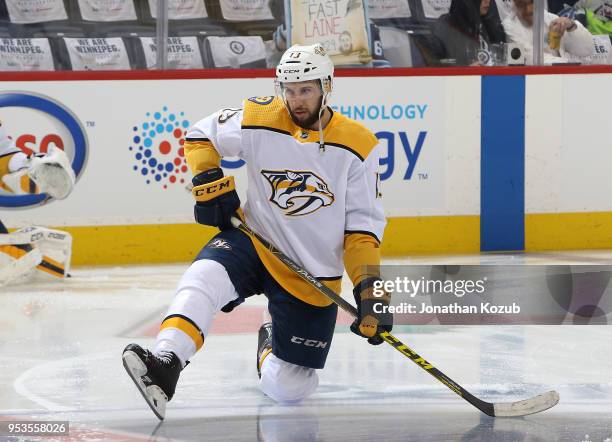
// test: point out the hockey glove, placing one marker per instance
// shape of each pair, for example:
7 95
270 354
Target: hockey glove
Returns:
372 316
49 172
216 198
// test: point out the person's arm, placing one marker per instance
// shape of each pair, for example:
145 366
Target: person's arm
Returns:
206 142
364 226
576 39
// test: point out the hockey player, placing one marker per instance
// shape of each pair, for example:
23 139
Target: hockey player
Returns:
314 193
20 174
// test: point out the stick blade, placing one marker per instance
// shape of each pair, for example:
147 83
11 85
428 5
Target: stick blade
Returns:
528 406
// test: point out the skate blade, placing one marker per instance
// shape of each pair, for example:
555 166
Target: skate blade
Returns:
155 396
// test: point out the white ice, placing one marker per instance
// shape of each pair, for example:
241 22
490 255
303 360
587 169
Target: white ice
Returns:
61 342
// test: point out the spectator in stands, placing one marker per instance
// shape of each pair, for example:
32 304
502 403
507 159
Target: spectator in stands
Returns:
595 15
467 32
562 35
598 16
279 44
556 6
504 7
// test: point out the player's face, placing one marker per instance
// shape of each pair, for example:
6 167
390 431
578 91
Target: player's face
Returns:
304 101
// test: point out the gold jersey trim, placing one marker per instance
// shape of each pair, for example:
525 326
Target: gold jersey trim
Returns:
341 132
361 256
201 155
291 282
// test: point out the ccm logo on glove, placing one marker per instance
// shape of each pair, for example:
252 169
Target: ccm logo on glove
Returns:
206 192
216 198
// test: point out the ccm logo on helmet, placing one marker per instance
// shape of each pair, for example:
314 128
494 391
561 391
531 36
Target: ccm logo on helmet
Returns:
291 71
308 342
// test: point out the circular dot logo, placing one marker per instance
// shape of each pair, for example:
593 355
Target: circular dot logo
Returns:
237 47
157 146
41 109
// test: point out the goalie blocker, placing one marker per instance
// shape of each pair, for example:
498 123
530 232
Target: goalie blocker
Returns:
34 249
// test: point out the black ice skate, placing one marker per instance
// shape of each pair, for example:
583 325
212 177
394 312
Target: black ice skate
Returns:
264 344
154 375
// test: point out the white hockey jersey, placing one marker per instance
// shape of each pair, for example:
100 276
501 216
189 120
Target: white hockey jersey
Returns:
303 200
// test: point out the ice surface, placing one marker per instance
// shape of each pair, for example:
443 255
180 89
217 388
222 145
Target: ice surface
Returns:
60 348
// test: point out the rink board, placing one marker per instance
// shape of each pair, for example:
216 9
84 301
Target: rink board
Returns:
472 162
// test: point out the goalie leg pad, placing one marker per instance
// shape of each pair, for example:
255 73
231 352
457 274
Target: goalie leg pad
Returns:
52 267
55 247
21 262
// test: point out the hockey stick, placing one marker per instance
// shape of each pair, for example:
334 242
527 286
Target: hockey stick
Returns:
506 409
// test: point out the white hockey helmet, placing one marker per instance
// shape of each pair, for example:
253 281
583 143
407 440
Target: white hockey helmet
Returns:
306 63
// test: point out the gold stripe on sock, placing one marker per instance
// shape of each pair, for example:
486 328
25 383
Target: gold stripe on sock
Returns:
186 326
263 356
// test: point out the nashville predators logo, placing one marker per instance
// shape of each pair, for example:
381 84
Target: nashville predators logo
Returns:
262 100
298 192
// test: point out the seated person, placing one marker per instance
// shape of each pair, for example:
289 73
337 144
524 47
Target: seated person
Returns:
279 43
562 34
595 15
467 31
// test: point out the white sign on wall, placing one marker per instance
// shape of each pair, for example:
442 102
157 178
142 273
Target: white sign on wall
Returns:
26 54
35 11
245 10
93 54
136 171
107 10
183 52
435 8
181 9
389 9
567 149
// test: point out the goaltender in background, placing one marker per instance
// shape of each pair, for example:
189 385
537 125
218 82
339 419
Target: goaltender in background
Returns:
423 287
